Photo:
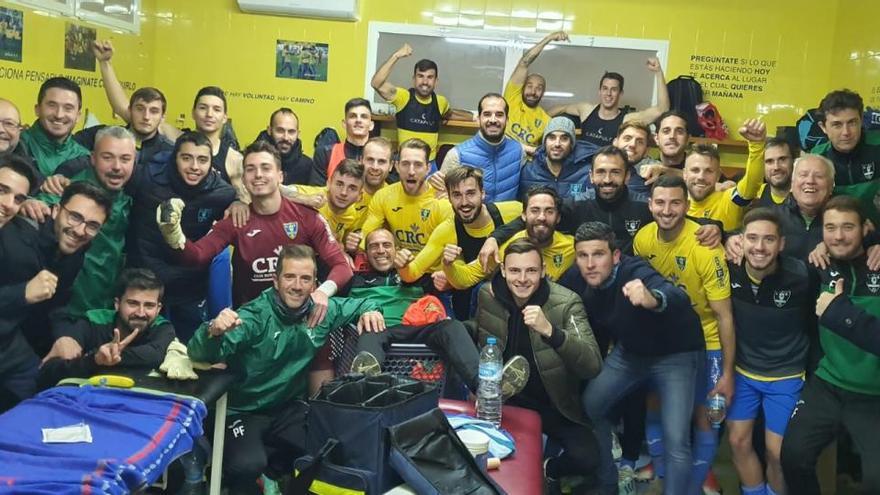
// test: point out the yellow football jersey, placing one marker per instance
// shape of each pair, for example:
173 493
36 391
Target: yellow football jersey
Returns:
524 123
411 219
728 207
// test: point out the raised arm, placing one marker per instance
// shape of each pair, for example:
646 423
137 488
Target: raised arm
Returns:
522 68
235 170
380 78
103 51
582 109
650 114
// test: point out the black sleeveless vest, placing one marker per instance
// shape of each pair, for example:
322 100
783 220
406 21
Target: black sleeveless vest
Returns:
418 117
599 131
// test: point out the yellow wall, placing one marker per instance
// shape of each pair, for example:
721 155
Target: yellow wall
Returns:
186 45
43 53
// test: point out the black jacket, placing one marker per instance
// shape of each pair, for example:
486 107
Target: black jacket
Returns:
626 215
673 327
157 149
146 248
853 323
800 237
297 167
25 249
322 159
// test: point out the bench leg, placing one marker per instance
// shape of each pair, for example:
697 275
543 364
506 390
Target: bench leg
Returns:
217 448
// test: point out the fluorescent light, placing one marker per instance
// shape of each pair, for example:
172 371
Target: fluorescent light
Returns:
477 41
558 94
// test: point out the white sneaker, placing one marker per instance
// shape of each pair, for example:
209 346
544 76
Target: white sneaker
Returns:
626 481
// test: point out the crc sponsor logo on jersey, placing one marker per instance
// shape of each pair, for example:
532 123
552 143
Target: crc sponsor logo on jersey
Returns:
523 134
264 268
291 229
868 170
632 226
412 236
780 297
873 282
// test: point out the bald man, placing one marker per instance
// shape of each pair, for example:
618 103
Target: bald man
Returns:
10 127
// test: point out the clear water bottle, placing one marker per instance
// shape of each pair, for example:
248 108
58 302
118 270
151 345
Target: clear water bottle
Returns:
489 388
717 410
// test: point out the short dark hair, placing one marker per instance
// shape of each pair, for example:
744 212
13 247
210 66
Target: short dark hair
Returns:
283 111
846 204
612 75
611 150
296 252
91 191
194 137
138 279
416 144
542 189
60 83
260 146
211 91
424 65
669 181
148 94
779 141
522 246
708 150
20 165
672 113
492 95
358 102
765 214
841 99
596 231
460 174
350 168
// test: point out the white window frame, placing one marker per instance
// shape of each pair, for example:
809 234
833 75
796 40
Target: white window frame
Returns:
516 44
71 9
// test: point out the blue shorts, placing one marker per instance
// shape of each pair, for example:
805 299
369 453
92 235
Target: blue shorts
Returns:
708 377
777 397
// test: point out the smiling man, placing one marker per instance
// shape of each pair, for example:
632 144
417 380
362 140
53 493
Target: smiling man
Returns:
49 140
778 160
283 133
10 128
561 163
358 123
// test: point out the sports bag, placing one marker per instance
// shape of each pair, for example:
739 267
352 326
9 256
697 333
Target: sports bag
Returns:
685 93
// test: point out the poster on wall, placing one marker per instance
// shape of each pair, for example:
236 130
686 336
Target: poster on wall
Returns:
301 60
78 47
11 31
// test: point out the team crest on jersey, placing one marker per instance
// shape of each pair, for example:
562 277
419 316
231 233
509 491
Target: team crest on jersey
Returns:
291 229
557 260
204 215
538 123
873 282
425 214
780 297
632 226
868 170
681 261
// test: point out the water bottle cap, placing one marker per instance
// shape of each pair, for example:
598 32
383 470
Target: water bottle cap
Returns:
491 340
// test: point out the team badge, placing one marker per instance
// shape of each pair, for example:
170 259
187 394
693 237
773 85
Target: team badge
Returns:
868 170
780 297
873 282
425 214
557 260
538 123
681 261
204 215
291 229
632 226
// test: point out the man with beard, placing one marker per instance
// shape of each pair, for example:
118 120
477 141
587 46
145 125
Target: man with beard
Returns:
48 141
419 109
778 157
274 222
270 343
283 133
523 92
854 152
358 123
498 156
844 391
112 166
670 246
672 138
633 137
188 176
10 128
409 208
560 163
657 337
133 335
457 240
773 301
599 122
702 170
546 324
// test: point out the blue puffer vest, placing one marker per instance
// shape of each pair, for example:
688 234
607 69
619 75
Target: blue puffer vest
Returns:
500 165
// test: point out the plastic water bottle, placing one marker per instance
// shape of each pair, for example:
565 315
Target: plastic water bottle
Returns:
717 410
489 388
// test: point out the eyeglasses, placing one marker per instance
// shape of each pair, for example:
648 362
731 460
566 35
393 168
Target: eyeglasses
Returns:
74 219
10 125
